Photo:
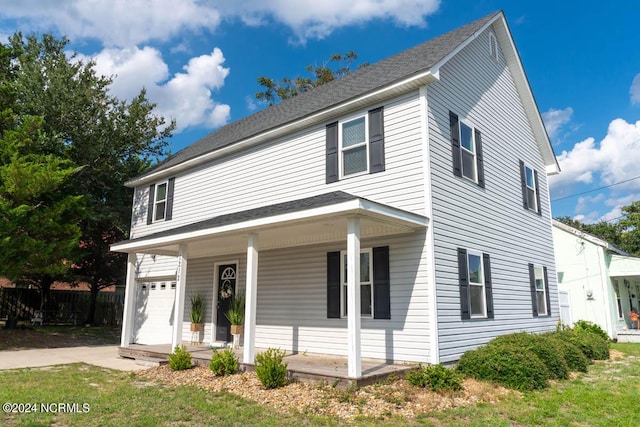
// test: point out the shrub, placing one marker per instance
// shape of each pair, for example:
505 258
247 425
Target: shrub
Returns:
180 359
270 369
585 326
593 346
224 362
572 355
502 364
546 350
436 378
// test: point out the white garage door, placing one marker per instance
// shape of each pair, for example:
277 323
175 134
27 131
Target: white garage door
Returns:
154 312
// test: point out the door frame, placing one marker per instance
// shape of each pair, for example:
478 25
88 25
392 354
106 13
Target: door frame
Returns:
214 306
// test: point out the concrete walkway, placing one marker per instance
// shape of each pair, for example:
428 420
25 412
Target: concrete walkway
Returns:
104 356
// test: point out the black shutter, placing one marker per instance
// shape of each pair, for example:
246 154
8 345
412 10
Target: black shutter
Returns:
455 143
152 195
376 140
381 283
523 183
535 178
532 283
170 186
479 159
463 279
332 153
546 291
333 285
488 288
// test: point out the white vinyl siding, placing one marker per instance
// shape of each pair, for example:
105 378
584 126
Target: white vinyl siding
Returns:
491 219
294 168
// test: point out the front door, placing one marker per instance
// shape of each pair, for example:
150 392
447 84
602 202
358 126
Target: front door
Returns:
226 276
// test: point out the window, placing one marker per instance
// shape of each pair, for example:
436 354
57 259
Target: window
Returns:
163 286
153 286
466 147
160 206
541 298
173 285
476 292
493 47
366 283
539 282
355 146
530 188
375 284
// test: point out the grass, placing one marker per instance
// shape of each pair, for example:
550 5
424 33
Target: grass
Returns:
607 395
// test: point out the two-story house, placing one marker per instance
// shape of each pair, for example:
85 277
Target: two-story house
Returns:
412 193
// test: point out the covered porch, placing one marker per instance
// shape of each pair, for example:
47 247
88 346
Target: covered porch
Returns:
624 272
333 217
301 367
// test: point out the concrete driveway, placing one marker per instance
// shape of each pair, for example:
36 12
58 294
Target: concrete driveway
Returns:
104 356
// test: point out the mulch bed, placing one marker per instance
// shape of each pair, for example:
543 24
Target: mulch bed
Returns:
394 397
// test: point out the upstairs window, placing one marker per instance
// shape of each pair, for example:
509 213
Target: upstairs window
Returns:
353 138
539 283
355 146
530 188
466 148
160 206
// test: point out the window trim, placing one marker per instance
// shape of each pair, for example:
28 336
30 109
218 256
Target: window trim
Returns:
463 149
536 269
365 144
343 285
535 207
616 290
481 284
156 201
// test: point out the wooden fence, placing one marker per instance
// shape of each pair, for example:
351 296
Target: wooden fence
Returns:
61 307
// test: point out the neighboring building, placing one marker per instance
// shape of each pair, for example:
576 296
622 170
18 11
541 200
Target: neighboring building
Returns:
596 281
422 178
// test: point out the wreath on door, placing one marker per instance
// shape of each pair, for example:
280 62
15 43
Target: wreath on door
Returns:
226 289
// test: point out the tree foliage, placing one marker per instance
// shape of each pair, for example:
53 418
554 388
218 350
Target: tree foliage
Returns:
106 139
624 235
336 67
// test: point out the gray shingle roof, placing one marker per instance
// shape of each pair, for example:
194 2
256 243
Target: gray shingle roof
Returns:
321 200
388 71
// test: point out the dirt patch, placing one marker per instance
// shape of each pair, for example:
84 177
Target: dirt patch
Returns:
392 397
615 355
55 337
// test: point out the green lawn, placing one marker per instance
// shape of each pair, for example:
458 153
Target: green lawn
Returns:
609 395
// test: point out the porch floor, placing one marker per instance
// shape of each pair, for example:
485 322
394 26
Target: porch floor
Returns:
305 367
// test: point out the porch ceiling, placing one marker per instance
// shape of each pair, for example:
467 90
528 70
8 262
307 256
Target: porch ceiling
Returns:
307 221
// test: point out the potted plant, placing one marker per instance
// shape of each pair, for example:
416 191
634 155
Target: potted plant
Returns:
197 312
235 314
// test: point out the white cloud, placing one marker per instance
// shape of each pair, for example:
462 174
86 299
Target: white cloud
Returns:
634 90
186 96
251 104
554 120
131 22
614 159
114 22
317 19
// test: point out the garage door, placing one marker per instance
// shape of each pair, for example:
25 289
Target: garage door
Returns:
154 312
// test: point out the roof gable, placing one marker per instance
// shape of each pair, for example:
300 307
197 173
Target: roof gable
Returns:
413 67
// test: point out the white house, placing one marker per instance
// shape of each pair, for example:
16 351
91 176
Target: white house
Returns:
413 191
596 281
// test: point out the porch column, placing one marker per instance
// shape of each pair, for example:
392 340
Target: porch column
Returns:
353 297
250 301
181 284
129 301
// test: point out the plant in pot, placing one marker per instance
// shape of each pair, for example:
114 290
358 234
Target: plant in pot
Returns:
235 315
197 312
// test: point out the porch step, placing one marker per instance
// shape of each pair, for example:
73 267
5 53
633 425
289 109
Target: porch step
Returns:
151 362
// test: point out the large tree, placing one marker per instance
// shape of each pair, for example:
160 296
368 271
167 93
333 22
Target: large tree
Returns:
336 67
110 139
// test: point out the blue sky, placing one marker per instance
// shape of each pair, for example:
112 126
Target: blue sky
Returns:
199 61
